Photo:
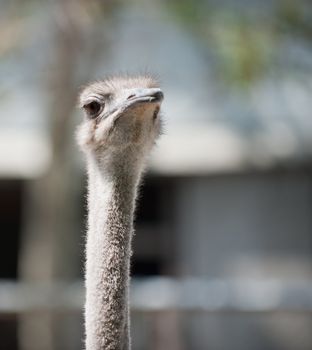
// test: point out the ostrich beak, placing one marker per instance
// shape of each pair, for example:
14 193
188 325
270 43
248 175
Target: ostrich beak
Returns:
133 98
154 95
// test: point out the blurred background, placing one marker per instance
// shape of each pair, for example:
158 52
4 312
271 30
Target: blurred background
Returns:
223 246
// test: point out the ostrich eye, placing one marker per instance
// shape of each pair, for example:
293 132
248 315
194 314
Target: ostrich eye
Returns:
93 108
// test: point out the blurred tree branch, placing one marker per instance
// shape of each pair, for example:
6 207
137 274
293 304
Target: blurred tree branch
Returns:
50 246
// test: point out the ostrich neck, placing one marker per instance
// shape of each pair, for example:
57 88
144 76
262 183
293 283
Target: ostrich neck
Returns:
111 205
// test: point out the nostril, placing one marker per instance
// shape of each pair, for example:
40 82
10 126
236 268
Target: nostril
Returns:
155 114
131 96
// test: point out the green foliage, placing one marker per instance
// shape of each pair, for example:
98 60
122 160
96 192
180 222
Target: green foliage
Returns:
244 41
243 50
189 12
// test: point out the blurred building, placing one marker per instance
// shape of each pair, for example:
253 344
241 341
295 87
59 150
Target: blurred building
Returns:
223 246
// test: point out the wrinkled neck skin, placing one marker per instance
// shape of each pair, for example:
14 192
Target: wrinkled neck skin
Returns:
111 201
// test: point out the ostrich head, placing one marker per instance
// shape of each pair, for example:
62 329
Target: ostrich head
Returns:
122 119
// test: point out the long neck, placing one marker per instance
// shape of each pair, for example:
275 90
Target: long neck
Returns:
111 203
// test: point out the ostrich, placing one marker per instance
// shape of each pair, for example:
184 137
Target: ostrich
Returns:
121 125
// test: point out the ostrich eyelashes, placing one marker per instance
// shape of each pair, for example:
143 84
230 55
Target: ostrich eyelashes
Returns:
93 108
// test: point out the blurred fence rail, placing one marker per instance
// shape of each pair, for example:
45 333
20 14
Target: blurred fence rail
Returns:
161 294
